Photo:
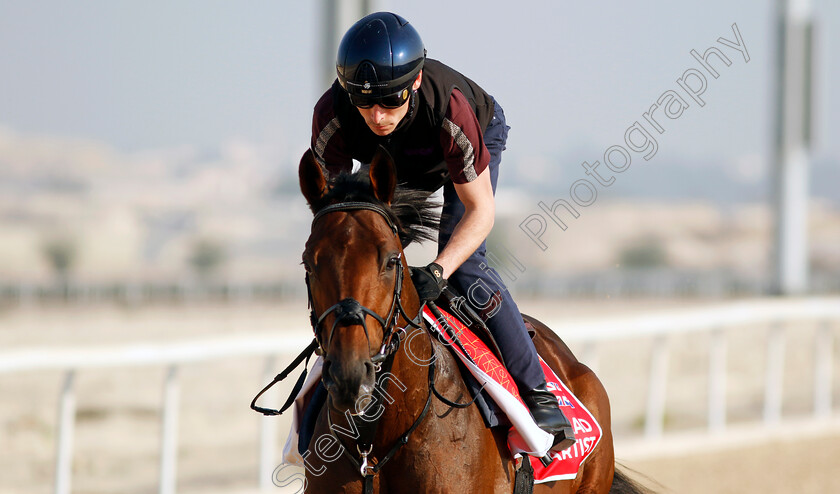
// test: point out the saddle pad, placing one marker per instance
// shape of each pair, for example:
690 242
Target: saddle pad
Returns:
525 436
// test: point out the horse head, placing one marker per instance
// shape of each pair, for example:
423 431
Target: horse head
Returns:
359 289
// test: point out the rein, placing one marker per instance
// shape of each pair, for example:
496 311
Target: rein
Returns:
349 311
353 312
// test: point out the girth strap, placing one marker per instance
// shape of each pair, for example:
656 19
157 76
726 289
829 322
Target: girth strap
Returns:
523 482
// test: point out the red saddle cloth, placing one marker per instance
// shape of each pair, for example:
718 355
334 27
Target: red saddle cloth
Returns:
522 437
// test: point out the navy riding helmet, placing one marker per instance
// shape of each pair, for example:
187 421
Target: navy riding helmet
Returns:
378 59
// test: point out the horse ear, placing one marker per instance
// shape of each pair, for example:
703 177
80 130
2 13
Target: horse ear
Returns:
383 175
313 183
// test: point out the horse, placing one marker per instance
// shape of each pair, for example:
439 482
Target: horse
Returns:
397 418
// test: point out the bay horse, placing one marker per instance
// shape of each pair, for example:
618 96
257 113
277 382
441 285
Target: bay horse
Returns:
390 424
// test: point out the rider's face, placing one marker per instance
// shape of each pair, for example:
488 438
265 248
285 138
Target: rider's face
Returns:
383 121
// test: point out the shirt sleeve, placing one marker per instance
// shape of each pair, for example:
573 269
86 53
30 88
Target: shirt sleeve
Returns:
328 142
462 140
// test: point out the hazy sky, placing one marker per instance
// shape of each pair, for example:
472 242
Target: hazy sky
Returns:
572 76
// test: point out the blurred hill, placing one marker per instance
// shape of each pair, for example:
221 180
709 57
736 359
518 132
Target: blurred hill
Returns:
235 214
137 216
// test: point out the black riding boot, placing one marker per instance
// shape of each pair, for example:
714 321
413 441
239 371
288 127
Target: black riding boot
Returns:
547 414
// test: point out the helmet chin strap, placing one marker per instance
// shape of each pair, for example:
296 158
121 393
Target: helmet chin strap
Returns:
409 115
412 103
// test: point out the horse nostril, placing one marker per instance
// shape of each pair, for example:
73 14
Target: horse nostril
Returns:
370 369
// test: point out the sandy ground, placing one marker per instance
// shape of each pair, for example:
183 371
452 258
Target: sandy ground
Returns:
117 435
795 465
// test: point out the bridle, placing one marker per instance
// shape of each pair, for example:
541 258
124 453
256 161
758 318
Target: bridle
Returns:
350 311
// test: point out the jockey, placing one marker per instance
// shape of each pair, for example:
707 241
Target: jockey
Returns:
442 130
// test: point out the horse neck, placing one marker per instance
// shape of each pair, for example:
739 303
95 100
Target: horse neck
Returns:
410 367
407 387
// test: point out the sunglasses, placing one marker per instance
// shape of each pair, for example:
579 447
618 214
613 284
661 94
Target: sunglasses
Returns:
390 101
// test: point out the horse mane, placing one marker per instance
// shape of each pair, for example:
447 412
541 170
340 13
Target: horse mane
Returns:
415 216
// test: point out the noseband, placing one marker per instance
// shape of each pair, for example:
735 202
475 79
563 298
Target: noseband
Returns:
350 311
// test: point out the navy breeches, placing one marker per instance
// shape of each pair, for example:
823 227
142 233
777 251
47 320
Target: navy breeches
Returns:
482 285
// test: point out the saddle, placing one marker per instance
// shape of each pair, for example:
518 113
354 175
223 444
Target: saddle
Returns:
456 304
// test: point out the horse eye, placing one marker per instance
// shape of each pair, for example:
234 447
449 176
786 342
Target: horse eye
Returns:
306 267
393 262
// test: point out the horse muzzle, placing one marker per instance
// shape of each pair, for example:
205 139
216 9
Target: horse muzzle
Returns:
349 374
350 383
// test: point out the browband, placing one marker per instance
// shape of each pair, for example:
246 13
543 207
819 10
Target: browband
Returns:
355 206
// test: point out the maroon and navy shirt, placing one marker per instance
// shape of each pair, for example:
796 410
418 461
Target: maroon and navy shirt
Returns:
441 138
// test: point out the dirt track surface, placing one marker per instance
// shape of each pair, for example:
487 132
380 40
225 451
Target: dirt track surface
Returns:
805 466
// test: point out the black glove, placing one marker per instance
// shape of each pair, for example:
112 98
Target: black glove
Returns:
428 281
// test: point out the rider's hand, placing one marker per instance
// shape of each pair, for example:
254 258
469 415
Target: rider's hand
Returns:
429 281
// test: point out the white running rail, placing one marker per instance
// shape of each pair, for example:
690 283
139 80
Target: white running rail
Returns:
774 312
660 326
171 356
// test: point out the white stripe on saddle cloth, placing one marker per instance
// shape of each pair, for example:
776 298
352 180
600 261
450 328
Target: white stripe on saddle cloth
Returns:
525 436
